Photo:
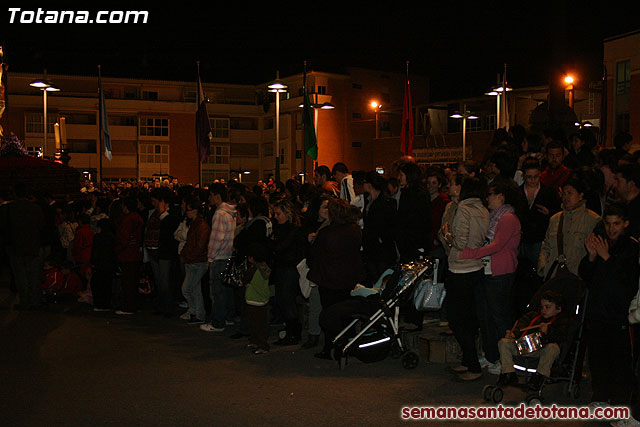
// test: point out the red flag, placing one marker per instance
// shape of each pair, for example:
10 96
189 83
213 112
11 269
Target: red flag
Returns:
406 136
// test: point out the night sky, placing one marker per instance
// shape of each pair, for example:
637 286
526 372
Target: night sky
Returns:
461 46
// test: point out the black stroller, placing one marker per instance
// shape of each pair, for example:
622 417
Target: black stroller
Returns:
568 366
374 331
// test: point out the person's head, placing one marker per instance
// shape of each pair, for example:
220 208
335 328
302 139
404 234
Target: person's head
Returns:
393 185
469 167
607 160
283 212
577 141
161 198
339 171
341 212
435 181
130 205
628 181
531 172
321 175
572 193
292 188
258 206
323 210
550 304
409 175
192 207
374 183
497 195
455 185
616 220
622 141
217 194
472 187
555 154
358 182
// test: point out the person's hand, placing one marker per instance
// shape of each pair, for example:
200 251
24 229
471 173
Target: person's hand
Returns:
446 232
544 328
311 237
591 247
542 209
602 247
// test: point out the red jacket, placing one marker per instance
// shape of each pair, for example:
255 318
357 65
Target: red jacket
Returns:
554 178
82 243
129 238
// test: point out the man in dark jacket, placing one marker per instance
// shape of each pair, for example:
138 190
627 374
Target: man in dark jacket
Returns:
24 223
611 272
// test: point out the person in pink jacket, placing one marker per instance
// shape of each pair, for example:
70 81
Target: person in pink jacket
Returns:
494 296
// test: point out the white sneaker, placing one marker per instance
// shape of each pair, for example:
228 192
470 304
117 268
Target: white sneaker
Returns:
629 422
183 304
484 363
208 327
185 316
494 368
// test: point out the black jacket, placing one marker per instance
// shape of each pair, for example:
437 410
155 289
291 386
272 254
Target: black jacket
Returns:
288 245
103 253
413 230
612 283
378 240
535 223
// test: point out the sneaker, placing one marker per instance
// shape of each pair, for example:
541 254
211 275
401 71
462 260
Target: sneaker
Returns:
183 304
484 363
210 328
193 320
252 346
123 312
96 309
628 422
260 351
186 316
495 368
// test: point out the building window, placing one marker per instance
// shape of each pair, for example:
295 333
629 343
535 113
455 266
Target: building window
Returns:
622 122
321 90
189 96
130 92
282 157
267 149
81 146
245 150
623 77
35 122
219 128
385 126
123 120
243 123
80 118
474 125
489 122
268 123
154 153
356 144
219 155
356 115
154 126
150 95
298 154
34 151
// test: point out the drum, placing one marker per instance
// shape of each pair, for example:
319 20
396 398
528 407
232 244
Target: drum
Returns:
529 343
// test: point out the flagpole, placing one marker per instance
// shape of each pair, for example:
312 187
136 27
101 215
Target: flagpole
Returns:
198 100
304 153
100 127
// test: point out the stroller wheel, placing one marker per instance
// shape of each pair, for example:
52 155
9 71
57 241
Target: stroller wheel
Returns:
533 400
497 395
487 391
396 352
410 360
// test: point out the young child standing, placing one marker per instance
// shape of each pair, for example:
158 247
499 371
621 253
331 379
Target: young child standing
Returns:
553 327
256 281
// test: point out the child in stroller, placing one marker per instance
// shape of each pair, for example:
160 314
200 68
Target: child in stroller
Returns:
552 328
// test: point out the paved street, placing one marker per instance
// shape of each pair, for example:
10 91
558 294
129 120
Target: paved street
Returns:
76 367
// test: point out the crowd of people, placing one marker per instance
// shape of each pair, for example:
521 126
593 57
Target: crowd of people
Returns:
537 202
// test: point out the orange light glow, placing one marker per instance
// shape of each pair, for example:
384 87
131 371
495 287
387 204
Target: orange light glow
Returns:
568 80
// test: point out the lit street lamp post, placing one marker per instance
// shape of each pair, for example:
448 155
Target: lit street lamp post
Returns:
568 80
277 87
376 108
465 116
45 86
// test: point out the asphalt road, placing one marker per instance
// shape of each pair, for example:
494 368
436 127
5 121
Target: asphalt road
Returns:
70 366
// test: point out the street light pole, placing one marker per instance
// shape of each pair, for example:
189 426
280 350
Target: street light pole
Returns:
277 86
464 116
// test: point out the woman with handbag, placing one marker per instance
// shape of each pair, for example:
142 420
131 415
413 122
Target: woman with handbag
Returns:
494 294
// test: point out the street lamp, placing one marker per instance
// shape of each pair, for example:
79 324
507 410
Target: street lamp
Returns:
498 92
376 107
45 86
568 81
464 116
277 87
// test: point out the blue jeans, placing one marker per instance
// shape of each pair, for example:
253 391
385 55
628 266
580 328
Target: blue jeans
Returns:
191 288
494 308
161 269
223 306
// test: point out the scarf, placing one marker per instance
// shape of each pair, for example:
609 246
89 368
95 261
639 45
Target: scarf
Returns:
495 217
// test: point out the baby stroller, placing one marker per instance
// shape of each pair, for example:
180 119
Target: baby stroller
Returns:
374 331
568 366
